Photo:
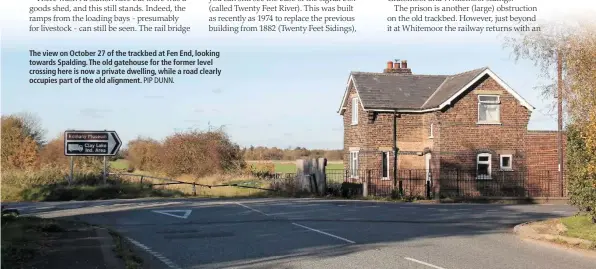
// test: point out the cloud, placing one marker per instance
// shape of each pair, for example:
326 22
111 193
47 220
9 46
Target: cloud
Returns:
217 91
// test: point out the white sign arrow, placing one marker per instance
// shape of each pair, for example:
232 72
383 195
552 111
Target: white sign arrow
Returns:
172 213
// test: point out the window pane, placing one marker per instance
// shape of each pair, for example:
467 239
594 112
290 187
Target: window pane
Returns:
492 112
483 159
354 110
482 169
482 112
484 98
506 161
384 165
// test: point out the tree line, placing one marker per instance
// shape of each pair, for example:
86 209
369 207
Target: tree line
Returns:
290 154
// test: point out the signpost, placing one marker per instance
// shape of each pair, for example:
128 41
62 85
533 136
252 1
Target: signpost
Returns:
91 143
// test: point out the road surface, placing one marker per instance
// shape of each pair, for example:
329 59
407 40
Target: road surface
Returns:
313 233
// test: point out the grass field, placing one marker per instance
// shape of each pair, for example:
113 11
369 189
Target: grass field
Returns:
290 166
119 164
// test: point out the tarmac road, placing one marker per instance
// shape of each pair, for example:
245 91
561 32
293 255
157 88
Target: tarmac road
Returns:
313 233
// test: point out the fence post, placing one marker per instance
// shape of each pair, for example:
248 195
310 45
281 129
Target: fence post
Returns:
142 181
194 189
314 181
365 183
457 182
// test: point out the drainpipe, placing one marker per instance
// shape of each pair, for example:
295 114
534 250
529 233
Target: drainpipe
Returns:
395 149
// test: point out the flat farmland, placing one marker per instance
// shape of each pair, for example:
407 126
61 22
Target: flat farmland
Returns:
290 166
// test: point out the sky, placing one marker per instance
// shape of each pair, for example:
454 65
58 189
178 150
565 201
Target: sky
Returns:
277 89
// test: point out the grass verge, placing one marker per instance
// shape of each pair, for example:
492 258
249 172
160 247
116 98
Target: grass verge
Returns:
25 238
61 192
124 251
580 226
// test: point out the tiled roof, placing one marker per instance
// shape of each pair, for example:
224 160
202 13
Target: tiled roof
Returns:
408 91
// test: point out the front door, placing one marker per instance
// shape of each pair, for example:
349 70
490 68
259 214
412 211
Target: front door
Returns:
428 176
427 165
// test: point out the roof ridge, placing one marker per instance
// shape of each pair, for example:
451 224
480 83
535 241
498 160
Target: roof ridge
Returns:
436 90
470 71
423 75
396 74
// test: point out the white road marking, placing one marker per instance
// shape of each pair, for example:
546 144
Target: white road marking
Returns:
321 232
305 205
255 210
170 213
369 206
559 212
423 263
157 255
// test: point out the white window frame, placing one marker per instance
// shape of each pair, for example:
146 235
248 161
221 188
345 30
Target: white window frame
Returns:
510 167
388 154
354 163
489 162
497 102
432 135
355 111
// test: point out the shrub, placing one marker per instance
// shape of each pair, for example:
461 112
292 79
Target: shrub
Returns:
581 183
261 170
143 154
200 154
349 190
19 150
52 157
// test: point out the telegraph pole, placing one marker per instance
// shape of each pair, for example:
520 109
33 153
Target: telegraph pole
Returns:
560 116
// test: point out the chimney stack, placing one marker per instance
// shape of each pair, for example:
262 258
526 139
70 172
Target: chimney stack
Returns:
398 68
389 65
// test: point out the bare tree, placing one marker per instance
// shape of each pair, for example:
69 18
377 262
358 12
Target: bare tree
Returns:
32 127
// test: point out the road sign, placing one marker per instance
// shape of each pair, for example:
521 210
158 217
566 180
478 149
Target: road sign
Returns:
91 143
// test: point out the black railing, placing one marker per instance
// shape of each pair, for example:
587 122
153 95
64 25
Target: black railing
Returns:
455 183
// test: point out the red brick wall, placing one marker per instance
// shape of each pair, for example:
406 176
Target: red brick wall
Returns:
543 162
458 138
354 135
461 138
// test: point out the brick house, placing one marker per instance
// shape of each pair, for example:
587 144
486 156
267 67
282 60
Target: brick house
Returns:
470 121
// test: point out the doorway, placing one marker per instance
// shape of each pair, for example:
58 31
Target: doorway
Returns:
427 166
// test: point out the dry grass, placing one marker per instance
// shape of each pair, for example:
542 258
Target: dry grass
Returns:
219 191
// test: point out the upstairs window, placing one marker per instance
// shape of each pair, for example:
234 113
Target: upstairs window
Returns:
354 111
430 132
489 109
483 166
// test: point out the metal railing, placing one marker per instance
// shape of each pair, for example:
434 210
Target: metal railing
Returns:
455 182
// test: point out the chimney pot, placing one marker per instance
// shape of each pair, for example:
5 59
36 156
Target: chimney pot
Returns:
390 65
404 64
396 65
